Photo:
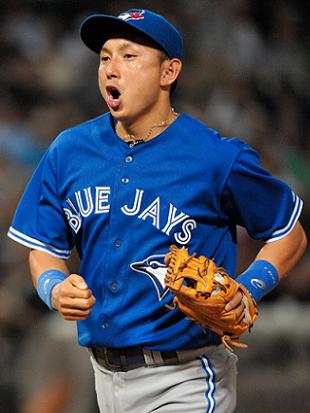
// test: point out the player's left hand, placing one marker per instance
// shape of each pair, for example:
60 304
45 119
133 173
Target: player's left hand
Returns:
237 305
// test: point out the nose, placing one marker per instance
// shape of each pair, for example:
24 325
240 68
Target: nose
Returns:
112 69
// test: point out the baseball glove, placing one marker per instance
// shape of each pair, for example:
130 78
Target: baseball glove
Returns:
202 291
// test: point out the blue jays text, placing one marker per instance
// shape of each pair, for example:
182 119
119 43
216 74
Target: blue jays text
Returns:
96 201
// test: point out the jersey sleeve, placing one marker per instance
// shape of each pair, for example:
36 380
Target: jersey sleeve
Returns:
254 199
39 222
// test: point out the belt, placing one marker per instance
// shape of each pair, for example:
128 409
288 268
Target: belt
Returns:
125 359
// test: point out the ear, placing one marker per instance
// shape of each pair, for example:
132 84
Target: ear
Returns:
170 71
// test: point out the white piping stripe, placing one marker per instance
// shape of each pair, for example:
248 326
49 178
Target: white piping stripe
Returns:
281 233
211 385
37 242
298 204
37 247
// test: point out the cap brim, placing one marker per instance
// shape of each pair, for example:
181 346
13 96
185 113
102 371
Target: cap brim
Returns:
98 28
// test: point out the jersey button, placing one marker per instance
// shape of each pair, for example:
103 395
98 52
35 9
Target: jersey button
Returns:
128 159
125 180
105 325
117 243
114 286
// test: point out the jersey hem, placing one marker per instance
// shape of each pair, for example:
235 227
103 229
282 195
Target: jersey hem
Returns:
35 244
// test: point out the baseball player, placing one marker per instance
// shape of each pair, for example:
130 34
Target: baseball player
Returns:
121 189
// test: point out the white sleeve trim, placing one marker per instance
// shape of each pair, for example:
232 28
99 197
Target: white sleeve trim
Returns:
283 232
36 244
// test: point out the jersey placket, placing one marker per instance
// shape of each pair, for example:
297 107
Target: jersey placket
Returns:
118 241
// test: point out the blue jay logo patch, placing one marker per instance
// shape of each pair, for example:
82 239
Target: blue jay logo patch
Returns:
133 15
155 268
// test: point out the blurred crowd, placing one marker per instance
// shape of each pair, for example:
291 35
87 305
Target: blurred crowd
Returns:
246 74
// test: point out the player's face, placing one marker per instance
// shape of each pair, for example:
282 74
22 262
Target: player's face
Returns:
130 78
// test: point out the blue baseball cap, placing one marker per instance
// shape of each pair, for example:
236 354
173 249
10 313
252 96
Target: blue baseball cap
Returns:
98 28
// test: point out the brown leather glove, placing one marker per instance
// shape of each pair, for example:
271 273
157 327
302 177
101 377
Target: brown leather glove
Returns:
202 291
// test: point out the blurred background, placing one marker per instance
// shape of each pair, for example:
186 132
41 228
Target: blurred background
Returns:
246 74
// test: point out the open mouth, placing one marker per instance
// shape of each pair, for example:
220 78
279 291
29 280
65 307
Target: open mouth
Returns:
113 97
113 92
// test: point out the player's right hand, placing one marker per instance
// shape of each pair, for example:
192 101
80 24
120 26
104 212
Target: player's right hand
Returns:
72 298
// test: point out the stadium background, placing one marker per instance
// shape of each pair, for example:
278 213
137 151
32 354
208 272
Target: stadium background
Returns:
246 74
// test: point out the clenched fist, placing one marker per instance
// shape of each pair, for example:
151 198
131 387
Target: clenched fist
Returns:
72 298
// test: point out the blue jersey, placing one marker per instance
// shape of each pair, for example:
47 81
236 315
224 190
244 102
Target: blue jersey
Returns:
122 208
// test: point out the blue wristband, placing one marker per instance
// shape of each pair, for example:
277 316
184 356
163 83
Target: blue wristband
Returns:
47 282
259 279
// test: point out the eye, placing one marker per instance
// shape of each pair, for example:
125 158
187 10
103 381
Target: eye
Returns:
104 59
129 56
154 265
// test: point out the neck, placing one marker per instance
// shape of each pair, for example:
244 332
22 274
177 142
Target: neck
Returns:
147 128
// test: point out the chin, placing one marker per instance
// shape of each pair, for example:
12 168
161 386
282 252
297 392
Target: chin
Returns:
118 115
121 115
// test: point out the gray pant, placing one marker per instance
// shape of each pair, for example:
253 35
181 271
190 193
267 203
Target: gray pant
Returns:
206 384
